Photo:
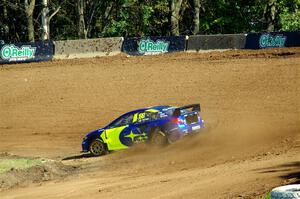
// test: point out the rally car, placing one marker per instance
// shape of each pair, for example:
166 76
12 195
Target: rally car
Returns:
158 125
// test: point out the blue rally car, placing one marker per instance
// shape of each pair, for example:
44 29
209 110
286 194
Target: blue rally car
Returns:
156 125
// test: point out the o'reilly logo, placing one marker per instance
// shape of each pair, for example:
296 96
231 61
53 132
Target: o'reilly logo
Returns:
148 46
269 41
14 53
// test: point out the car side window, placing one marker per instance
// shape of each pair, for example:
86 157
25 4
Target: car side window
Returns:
152 116
144 116
123 121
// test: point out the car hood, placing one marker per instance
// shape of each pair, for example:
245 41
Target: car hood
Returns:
95 132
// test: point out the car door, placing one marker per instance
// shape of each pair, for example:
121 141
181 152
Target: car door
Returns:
140 126
117 135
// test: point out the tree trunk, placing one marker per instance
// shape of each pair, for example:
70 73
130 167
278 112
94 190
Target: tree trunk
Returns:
270 14
106 14
30 28
197 6
175 9
5 19
5 9
46 18
29 8
45 21
82 33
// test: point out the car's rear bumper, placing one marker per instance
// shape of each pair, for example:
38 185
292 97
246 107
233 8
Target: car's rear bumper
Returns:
177 132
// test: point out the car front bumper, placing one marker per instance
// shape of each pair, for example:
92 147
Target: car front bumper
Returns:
85 146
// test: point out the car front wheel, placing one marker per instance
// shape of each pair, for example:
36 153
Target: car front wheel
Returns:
97 148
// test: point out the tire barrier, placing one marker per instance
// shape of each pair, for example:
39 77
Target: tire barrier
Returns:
272 40
286 192
154 45
26 52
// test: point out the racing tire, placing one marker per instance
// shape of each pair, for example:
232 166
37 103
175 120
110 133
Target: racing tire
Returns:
97 148
286 192
158 138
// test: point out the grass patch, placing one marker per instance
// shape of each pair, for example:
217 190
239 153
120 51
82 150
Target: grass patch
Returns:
19 163
267 196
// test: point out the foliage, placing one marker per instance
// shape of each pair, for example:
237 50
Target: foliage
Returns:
290 16
147 17
267 196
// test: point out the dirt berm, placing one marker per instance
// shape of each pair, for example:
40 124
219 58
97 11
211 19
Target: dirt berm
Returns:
45 170
250 102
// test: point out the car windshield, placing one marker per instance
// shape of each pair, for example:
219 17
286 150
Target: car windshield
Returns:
122 121
147 116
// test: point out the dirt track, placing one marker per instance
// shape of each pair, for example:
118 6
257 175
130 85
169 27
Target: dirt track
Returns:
250 101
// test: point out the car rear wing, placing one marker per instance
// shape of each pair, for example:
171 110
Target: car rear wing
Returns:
194 107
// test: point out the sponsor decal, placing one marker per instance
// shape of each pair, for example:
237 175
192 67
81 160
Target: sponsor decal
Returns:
150 47
13 53
128 136
269 41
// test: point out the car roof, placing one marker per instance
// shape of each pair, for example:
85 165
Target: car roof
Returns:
158 108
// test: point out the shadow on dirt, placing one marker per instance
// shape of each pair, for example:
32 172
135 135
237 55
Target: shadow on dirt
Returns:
295 174
76 157
291 172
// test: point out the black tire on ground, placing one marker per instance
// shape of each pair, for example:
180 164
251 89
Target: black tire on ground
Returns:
97 148
158 138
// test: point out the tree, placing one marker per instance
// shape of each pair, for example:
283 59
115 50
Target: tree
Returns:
197 5
270 14
82 33
23 20
29 9
89 13
5 18
175 9
290 15
131 18
46 17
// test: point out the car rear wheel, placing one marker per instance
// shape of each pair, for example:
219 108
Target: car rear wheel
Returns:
97 148
158 138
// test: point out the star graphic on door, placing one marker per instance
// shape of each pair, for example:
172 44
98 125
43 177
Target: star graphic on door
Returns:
132 135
